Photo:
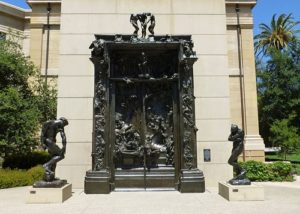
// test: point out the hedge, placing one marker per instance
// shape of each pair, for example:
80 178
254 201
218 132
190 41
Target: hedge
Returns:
17 178
26 161
277 171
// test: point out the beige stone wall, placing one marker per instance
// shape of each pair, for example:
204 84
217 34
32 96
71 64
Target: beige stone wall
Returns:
38 37
213 25
205 20
13 22
10 22
53 60
26 37
243 93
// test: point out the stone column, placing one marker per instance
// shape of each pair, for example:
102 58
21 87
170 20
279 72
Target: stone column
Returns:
254 145
243 91
36 44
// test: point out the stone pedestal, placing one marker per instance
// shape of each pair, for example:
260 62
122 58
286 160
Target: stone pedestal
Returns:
192 181
97 182
48 195
254 148
251 192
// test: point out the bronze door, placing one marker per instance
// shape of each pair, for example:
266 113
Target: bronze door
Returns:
143 134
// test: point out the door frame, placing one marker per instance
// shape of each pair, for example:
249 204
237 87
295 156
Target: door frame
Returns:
188 177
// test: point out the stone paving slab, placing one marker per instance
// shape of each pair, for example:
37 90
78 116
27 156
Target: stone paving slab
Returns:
280 198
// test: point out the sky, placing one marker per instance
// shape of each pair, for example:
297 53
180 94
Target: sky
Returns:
265 9
262 12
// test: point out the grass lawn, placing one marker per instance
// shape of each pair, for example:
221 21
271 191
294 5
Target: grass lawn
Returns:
294 158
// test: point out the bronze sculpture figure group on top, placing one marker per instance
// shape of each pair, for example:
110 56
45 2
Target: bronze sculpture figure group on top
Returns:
144 19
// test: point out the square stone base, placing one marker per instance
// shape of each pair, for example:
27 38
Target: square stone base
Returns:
48 195
241 192
97 182
192 181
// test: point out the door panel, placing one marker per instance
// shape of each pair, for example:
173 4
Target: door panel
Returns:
129 146
158 106
144 139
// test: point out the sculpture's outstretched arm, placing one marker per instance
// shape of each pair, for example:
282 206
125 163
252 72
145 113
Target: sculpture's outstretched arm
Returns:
64 140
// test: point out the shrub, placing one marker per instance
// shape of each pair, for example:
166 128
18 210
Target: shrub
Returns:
256 171
13 178
26 161
19 119
36 173
17 178
277 171
296 169
281 171
25 101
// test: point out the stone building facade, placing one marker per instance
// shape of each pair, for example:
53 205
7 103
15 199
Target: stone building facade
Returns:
60 32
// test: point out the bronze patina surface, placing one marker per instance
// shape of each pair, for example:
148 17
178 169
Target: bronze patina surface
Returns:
144 112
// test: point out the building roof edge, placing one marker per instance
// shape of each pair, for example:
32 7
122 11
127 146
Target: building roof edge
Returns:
13 10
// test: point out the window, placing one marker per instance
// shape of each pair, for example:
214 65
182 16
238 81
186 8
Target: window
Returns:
2 36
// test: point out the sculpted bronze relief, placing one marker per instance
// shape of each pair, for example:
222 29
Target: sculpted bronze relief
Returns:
144 119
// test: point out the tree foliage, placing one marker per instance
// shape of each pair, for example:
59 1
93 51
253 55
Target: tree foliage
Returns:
279 100
285 135
25 101
280 34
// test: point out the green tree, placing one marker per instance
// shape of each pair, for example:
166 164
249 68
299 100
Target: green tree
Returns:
281 34
19 121
25 101
285 135
278 91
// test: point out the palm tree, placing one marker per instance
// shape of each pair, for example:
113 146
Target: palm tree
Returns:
281 34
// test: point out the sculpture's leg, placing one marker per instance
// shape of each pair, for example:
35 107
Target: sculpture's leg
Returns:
144 28
151 29
47 166
53 168
50 165
136 27
233 161
238 170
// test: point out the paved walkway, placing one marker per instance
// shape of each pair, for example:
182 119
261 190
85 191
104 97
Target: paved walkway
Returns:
280 198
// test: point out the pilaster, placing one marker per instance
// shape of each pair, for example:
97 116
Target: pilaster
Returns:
243 89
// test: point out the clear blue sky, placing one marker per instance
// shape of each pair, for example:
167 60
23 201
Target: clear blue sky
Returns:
263 11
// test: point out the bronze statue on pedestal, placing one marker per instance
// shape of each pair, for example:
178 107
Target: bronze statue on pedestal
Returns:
237 136
48 140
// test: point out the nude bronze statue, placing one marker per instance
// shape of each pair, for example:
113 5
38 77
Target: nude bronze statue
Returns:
134 21
152 24
144 66
237 136
48 139
144 19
